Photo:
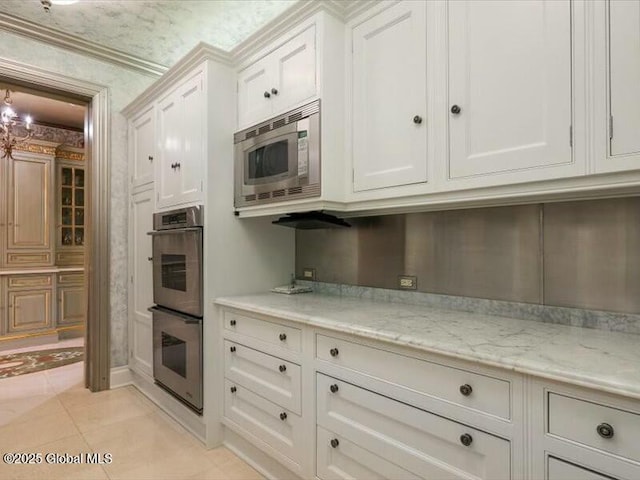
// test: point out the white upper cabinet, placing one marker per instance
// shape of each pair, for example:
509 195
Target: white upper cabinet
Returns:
181 145
143 136
389 88
624 77
280 81
510 86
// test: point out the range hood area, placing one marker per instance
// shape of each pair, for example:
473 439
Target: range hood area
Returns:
315 220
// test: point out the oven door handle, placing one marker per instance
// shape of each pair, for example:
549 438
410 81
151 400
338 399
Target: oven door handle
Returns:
185 318
175 231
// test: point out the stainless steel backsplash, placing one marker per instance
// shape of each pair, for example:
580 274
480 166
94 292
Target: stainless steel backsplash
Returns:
572 254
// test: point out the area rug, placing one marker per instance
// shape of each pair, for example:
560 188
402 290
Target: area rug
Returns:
14 364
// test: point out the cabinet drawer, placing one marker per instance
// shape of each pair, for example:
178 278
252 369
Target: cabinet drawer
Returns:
345 460
266 375
425 444
280 428
36 258
580 421
27 281
69 258
71 278
487 394
286 337
560 470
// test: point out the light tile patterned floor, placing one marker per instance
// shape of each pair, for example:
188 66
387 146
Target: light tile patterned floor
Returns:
50 411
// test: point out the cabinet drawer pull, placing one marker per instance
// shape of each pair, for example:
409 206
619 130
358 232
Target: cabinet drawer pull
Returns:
282 368
267 94
334 388
334 352
233 389
232 323
417 119
466 389
283 337
334 443
150 258
605 430
283 416
232 349
455 109
466 439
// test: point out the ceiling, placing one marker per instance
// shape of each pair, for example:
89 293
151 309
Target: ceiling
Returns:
160 31
45 111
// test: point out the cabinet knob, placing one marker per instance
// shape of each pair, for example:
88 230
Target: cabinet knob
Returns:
233 389
417 119
267 94
232 349
466 389
232 323
150 158
334 443
274 91
334 352
466 439
455 109
283 337
282 368
178 165
283 416
334 388
605 430
150 258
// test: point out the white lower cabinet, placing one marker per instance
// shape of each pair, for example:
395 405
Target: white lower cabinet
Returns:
425 444
560 470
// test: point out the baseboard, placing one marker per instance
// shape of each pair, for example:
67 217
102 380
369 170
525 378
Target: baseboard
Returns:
120 377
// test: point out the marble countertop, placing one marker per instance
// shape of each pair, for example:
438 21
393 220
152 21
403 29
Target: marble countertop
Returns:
608 361
36 270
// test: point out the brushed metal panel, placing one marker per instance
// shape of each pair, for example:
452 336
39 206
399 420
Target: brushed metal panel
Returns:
332 252
592 254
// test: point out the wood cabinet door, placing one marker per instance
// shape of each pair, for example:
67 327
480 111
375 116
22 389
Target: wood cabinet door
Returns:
28 310
170 149
624 75
510 77
29 204
253 82
143 137
141 290
389 90
71 306
294 67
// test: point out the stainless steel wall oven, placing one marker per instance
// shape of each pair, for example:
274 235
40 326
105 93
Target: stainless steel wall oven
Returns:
177 292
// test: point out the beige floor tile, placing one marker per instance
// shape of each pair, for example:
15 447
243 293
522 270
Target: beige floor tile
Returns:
222 456
213 473
29 408
25 386
32 433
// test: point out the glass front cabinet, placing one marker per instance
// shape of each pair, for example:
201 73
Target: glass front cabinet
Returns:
70 231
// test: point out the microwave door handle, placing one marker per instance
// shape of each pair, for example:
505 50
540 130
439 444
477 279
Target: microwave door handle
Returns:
175 231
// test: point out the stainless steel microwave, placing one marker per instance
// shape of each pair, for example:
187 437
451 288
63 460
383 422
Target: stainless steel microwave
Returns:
279 160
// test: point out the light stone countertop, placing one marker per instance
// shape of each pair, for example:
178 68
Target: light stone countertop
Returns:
608 361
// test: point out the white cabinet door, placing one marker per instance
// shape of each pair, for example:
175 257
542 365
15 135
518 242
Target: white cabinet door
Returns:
179 172
294 67
254 83
624 64
389 98
143 137
140 289
510 76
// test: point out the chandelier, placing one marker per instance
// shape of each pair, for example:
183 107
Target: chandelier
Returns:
8 120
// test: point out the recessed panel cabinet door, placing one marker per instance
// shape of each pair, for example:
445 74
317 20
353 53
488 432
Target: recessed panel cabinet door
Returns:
190 169
143 146
28 310
253 83
29 204
510 104
170 131
389 98
624 74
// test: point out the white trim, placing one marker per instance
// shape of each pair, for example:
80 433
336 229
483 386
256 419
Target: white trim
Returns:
52 36
121 377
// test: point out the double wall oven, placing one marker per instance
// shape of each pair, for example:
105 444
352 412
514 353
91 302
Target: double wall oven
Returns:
177 293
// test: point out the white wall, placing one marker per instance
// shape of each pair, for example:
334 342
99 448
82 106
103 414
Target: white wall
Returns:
124 85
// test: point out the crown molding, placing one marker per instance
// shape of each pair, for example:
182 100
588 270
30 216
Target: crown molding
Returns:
197 55
77 44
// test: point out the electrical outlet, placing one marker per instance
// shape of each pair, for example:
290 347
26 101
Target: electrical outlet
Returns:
407 282
309 274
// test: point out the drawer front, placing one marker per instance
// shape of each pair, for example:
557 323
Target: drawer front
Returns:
69 258
71 278
346 461
578 421
561 470
427 445
27 259
269 376
262 419
489 395
28 281
281 335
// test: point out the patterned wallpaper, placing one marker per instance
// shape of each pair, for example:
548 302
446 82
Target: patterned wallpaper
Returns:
53 134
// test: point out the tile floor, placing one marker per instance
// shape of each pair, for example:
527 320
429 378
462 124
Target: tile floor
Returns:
50 411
